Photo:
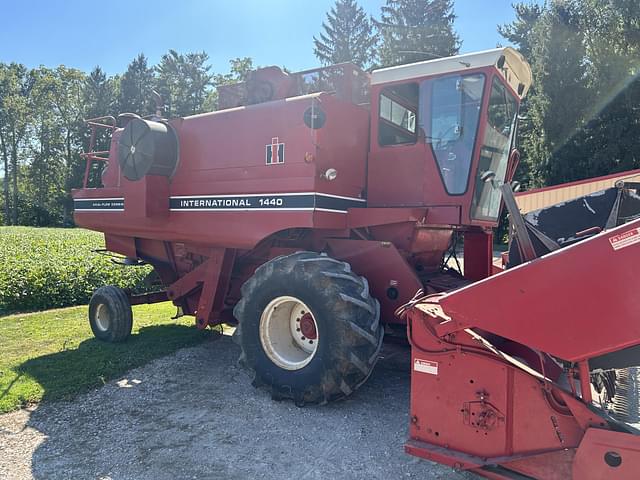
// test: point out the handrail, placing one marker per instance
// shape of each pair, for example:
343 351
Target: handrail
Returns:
95 121
108 122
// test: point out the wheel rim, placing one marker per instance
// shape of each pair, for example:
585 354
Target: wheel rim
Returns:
289 332
103 319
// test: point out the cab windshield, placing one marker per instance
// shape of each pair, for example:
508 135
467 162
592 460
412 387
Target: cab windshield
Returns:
450 113
494 154
449 116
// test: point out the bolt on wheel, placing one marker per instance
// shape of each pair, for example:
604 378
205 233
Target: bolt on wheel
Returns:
288 332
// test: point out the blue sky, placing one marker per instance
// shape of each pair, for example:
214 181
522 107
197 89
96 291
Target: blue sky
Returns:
83 34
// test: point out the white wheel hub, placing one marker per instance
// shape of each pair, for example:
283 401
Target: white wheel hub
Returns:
288 332
103 319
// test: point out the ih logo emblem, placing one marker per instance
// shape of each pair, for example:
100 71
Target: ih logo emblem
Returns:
275 152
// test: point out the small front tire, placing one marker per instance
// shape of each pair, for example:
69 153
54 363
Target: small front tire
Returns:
110 315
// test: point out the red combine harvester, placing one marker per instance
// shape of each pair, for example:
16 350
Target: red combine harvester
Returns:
319 211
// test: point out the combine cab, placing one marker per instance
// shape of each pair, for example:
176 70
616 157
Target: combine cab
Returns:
313 206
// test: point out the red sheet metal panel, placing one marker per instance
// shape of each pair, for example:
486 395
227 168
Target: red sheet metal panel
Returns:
576 303
606 454
226 192
478 254
393 282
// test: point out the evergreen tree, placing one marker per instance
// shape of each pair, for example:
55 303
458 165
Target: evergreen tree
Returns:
416 30
610 140
558 109
348 36
520 31
99 95
99 98
135 87
184 82
580 118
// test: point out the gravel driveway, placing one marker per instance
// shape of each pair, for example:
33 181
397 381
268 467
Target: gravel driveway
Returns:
194 414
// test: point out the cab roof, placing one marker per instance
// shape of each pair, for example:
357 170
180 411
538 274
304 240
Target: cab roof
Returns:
515 69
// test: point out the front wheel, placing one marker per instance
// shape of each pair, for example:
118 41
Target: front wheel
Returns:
308 328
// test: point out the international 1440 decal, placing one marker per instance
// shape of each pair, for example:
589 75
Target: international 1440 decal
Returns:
242 202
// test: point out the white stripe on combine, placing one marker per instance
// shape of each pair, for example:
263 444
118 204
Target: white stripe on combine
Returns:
237 209
287 194
96 199
98 209
339 196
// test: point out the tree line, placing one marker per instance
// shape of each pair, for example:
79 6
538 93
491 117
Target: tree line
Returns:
43 130
581 118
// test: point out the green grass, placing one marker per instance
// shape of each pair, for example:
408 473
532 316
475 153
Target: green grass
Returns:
42 268
52 355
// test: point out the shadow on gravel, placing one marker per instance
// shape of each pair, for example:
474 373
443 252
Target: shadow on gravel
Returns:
195 415
67 373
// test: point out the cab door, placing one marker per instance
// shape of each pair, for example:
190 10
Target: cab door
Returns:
397 151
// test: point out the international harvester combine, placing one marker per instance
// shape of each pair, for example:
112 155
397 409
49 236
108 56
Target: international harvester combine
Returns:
321 212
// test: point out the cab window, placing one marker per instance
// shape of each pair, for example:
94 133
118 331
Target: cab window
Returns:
499 134
450 120
397 119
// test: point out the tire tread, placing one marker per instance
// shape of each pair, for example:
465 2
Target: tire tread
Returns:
362 347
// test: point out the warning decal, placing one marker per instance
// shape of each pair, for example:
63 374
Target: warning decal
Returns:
425 366
625 239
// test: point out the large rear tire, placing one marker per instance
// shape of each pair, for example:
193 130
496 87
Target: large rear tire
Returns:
308 328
